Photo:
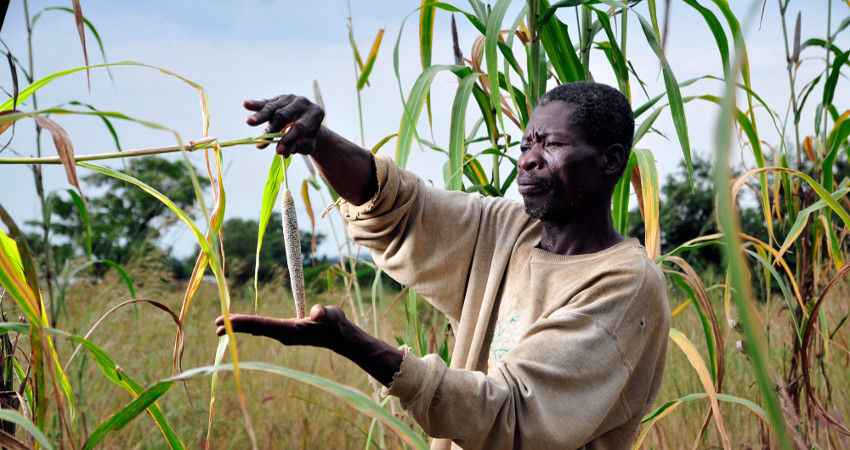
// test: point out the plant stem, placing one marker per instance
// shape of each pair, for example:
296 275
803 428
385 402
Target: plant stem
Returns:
586 28
828 46
356 78
39 183
791 80
190 147
623 31
534 77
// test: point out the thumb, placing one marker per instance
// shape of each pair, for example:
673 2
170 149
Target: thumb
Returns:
317 313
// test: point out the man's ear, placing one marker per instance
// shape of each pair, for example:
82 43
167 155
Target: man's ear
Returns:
616 159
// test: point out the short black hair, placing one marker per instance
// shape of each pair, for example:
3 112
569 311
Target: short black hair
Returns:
602 112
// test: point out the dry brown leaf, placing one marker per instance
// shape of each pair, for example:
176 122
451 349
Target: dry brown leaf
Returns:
808 147
305 194
477 52
78 18
64 148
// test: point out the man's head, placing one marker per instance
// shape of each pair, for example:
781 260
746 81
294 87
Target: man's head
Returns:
575 147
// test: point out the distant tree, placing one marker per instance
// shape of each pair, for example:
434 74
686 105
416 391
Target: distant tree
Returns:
686 214
240 247
124 220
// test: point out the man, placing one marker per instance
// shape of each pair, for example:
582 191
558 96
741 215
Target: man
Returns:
560 323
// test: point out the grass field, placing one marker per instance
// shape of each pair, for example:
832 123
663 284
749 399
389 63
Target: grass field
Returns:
288 414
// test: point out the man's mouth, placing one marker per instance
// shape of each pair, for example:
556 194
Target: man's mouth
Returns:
530 189
528 184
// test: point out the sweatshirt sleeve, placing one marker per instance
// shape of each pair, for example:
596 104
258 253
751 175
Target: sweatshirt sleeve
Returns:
423 237
555 389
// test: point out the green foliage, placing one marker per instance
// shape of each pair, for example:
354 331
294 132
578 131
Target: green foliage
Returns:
240 239
687 214
797 242
124 220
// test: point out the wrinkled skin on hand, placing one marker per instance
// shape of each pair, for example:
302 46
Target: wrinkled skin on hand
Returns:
304 116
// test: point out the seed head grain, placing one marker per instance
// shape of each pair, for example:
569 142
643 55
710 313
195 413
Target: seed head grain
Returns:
293 253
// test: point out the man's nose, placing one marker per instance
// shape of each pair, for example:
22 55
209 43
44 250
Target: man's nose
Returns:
530 159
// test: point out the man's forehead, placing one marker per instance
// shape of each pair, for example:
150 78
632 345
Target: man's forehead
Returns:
555 116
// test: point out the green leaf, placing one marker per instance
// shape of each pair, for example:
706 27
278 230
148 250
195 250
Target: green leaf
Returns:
123 273
413 109
494 30
646 125
550 11
35 86
123 416
350 396
518 97
270 193
649 195
620 203
614 53
738 281
474 171
779 280
202 241
755 144
832 80
674 95
426 32
15 417
717 31
11 278
370 61
106 122
457 149
803 218
10 248
84 217
118 420
555 38
379 145
758 410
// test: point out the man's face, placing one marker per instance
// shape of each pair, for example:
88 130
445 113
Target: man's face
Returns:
558 172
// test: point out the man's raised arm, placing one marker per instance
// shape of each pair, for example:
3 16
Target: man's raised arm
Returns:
346 166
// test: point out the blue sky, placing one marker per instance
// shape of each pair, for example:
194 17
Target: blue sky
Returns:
263 48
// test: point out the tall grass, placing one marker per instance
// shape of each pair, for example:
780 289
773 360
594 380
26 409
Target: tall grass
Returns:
784 372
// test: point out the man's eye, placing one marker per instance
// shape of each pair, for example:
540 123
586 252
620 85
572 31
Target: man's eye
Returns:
523 148
553 144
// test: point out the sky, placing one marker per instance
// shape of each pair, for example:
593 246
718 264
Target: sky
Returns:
262 48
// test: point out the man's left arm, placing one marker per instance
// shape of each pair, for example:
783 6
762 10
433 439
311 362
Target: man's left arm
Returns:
556 389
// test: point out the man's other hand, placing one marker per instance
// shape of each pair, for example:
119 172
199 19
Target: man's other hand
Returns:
327 327
304 116
322 329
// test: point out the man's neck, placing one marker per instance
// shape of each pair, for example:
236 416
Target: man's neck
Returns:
580 234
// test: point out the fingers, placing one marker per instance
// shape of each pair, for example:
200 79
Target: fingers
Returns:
305 117
264 110
301 137
254 105
256 325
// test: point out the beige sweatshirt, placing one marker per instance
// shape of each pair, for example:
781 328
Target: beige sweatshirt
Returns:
551 351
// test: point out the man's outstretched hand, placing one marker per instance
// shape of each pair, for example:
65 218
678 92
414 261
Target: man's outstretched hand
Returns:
305 116
322 329
327 327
